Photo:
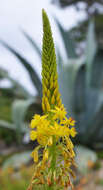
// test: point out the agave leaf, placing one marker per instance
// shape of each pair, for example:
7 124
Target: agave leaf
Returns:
17 87
72 88
19 110
67 80
32 42
91 47
97 70
91 102
68 42
79 99
95 126
7 125
32 73
80 90
94 91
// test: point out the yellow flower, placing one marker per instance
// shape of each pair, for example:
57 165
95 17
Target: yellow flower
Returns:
35 155
45 155
60 131
68 122
42 140
50 141
33 135
46 127
72 153
37 120
69 143
73 132
59 113
71 121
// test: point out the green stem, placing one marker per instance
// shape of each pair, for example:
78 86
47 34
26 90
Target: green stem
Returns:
53 153
53 161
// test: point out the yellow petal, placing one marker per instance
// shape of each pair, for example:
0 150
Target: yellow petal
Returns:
35 155
50 141
32 125
45 155
73 132
71 121
33 135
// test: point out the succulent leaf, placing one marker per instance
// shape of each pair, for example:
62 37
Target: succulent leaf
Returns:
90 50
68 42
33 75
32 42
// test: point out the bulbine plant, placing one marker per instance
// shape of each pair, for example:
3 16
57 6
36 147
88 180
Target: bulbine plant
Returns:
54 156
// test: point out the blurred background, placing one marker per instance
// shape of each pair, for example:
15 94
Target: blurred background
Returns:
77 28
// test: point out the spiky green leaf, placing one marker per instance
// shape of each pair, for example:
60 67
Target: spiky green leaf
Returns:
91 47
7 125
67 82
32 42
68 42
97 70
95 126
19 110
32 73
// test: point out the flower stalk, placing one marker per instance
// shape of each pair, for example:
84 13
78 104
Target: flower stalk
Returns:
54 129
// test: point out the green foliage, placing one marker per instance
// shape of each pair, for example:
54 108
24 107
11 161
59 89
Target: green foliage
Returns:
68 43
78 33
32 42
99 182
100 154
8 135
32 73
90 50
16 88
6 99
73 2
92 7
19 109
14 118
83 93
5 109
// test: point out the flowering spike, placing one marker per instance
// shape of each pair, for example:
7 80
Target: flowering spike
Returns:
53 130
49 68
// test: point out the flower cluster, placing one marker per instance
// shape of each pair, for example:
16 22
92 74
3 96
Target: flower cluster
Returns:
55 123
53 132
